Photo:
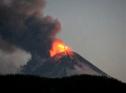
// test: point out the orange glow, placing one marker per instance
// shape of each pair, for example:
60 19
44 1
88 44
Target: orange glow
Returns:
59 47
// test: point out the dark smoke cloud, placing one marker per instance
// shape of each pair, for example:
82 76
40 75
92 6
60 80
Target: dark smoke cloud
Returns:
5 46
23 25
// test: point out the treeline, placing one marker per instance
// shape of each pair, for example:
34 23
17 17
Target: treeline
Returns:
74 83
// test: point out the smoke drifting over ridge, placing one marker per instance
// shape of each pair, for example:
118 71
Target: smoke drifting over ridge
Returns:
23 25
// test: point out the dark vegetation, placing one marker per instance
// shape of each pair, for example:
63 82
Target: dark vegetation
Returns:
74 83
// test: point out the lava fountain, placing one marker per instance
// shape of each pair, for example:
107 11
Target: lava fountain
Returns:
59 47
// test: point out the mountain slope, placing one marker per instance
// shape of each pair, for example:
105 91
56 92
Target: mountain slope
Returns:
61 66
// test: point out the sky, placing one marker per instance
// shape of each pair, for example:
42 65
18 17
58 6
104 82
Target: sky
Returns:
96 29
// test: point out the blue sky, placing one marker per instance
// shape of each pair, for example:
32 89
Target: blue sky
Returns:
96 29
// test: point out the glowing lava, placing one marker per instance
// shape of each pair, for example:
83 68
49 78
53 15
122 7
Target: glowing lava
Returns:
58 47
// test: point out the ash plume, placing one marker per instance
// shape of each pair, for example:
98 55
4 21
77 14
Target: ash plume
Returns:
23 25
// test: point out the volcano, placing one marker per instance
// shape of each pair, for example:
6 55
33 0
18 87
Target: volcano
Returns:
63 66
62 62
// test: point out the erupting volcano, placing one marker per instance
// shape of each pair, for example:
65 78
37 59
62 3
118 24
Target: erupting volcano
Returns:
62 61
24 26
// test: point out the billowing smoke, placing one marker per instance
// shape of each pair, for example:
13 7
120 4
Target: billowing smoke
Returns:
23 25
11 62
